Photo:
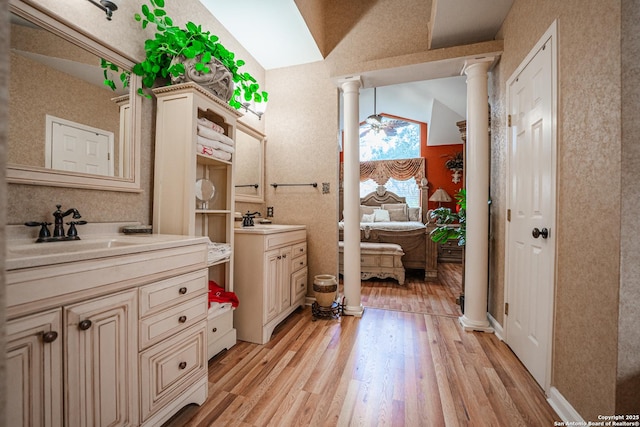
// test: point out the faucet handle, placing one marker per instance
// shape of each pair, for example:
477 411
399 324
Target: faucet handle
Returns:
44 230
72 228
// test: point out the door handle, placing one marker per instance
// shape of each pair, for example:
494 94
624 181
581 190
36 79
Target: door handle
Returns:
538 233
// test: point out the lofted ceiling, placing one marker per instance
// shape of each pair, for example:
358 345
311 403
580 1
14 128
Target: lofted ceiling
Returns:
304 31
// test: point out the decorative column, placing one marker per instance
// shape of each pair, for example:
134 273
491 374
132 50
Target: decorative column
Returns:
476 262
351 194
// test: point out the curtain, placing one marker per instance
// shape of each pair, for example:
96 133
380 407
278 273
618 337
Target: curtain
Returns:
381 170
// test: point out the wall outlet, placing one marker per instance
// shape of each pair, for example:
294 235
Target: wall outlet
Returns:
325 188
269 211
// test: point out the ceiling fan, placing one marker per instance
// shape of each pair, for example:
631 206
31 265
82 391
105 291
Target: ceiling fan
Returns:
378 123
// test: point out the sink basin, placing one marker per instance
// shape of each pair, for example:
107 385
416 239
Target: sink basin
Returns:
39 249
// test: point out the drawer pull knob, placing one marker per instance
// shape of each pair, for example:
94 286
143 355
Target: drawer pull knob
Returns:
182 365
84 325
301 263
182 319
182 290
214 330
284 256
49 337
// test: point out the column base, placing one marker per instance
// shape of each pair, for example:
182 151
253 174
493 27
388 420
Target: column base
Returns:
353 310
469 325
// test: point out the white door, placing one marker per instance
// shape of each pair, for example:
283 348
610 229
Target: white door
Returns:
77 148
530 257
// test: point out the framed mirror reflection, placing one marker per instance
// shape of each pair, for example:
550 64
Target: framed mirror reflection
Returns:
66 128
249 167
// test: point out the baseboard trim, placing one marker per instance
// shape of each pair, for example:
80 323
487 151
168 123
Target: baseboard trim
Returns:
497 327
563 408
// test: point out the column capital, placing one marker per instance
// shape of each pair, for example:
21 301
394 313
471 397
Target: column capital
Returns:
350 83
483 63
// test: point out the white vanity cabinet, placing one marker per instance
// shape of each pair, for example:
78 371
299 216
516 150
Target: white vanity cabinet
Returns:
106 337
180 161
271 277
100 353
34 370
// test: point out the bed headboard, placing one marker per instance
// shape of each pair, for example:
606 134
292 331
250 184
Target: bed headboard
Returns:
381 196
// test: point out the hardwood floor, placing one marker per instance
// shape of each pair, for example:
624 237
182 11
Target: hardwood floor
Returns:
406 362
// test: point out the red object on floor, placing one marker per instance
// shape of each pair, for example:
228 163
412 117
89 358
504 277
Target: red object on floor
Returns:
218 294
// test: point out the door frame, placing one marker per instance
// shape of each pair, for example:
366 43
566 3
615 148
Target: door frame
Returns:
550 35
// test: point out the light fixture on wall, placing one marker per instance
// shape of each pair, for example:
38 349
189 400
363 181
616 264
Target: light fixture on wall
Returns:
440 196
257 109
107 5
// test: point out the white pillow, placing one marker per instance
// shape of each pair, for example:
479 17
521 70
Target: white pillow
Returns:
381 215
368 218
364 209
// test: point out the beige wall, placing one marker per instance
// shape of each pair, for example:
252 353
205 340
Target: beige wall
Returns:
628 379
4 130
588 230
302 147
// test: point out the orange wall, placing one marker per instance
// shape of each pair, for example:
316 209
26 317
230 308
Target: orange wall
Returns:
437 174
435 157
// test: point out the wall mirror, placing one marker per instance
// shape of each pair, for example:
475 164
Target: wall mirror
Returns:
249 170
66 128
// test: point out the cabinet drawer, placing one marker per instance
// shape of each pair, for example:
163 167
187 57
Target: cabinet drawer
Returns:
160 295
171 321
298 262
277 240
299 284
299 249
218 326
386 260
171 366
369 260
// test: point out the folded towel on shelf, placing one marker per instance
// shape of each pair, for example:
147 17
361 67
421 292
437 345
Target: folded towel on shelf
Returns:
215 144
211 125
218 252
218 294
212 152
217 308
216 136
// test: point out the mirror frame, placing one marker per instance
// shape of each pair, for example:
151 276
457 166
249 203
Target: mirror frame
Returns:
258 198
33 175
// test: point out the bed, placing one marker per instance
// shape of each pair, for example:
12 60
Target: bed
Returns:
386 218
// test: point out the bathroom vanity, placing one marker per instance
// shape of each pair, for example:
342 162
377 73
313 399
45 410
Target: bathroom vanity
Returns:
271 277
107 330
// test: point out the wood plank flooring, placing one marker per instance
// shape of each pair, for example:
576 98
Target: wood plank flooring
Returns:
406 362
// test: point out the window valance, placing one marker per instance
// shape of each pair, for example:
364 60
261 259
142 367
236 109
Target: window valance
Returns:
403 169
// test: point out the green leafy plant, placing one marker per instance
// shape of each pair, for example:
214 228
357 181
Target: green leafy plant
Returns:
451 225
192 42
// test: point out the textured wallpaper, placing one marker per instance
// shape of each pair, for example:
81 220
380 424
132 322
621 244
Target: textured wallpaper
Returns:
588 191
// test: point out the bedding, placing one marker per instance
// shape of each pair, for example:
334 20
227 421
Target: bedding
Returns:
386 218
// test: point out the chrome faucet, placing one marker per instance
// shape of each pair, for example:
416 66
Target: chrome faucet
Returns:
58 230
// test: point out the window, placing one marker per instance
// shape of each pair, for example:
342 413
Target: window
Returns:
396 139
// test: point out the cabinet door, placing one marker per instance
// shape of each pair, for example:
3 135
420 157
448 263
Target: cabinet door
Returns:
272 285
34 370
285 279
101 364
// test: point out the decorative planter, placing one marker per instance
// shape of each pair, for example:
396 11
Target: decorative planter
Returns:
325 287
219 80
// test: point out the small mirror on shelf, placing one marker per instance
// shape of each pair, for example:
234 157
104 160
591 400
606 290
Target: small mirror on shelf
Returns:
205 192
249 164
